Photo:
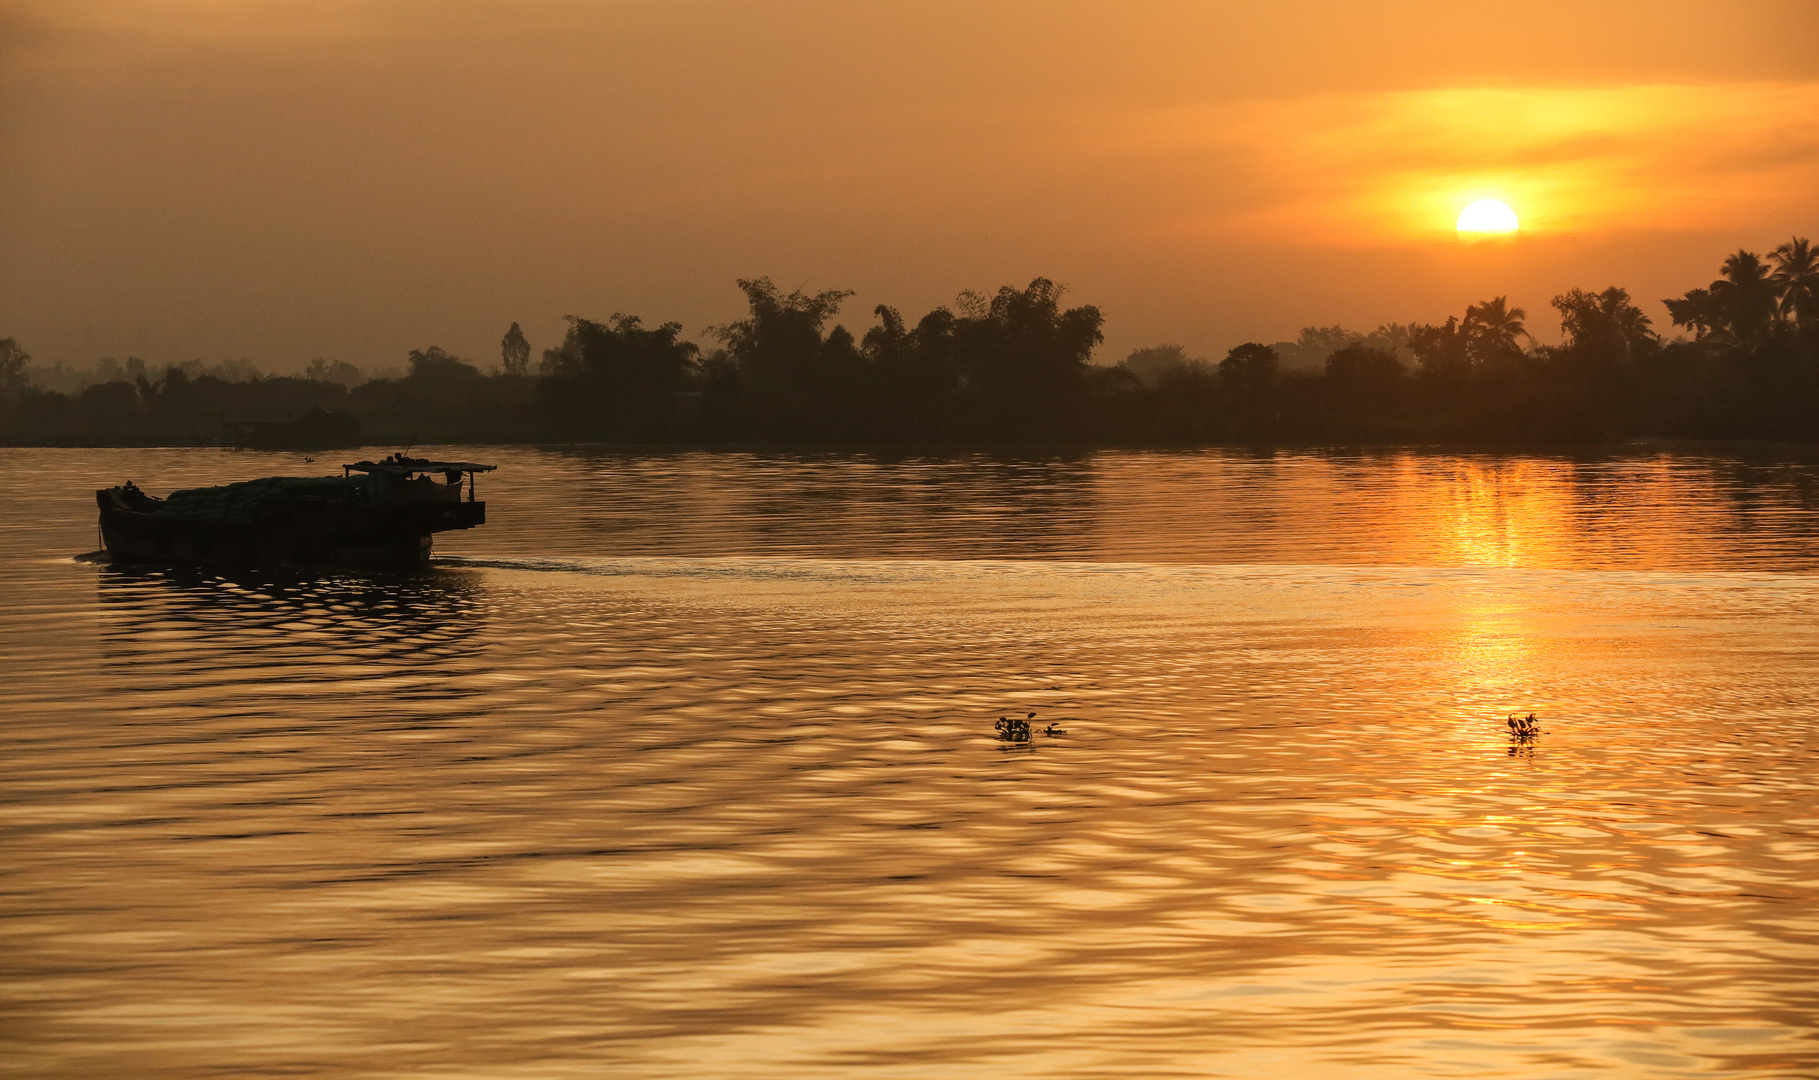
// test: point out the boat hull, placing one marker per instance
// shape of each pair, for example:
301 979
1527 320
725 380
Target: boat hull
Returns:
378 537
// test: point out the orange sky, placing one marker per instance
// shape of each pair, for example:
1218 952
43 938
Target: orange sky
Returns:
279 179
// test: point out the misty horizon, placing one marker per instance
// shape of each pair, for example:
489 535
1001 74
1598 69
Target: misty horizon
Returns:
1308 347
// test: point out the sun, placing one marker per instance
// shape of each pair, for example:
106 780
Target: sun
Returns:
1487 218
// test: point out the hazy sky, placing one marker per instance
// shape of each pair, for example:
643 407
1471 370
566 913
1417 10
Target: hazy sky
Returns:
278 179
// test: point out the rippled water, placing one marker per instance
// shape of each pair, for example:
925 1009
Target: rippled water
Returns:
684 766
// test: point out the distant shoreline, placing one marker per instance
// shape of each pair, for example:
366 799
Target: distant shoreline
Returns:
1016 370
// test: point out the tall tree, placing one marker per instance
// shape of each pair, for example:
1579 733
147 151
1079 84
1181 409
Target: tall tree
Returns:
1024 338
1250 368
1606 324
617 379
1026 359
1797 276
1698 311
1250 381
914 366
1486 336
1491 329
780 341
515 352
1584 385
1747 297
1441 352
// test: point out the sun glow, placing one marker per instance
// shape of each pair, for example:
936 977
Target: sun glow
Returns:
1487 217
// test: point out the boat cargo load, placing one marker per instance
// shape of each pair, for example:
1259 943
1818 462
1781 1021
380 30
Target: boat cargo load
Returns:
376 514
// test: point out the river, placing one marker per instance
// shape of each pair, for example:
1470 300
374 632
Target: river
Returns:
685 766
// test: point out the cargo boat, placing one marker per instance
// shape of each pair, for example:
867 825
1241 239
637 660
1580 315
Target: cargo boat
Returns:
377 514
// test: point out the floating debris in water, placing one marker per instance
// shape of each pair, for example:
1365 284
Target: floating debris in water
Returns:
1017 729
1522 729
1014 729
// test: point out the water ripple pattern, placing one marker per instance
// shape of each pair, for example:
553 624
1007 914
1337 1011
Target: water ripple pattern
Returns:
684 766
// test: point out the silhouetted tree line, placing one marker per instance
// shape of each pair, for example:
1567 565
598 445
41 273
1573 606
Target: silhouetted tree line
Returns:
1017 366
441 396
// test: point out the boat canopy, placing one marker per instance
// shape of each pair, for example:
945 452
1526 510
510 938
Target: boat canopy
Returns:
399 465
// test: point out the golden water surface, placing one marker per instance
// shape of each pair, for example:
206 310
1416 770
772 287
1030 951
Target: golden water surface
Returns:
684 766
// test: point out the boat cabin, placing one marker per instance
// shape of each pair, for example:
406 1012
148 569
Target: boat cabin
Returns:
401 479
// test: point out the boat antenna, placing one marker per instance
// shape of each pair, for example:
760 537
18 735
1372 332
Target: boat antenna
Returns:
408 445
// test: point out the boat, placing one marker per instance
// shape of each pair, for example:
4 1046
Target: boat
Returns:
377 514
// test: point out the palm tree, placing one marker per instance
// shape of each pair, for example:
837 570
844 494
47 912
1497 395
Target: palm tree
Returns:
1797 276
1747 297
1627 321
1493 328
